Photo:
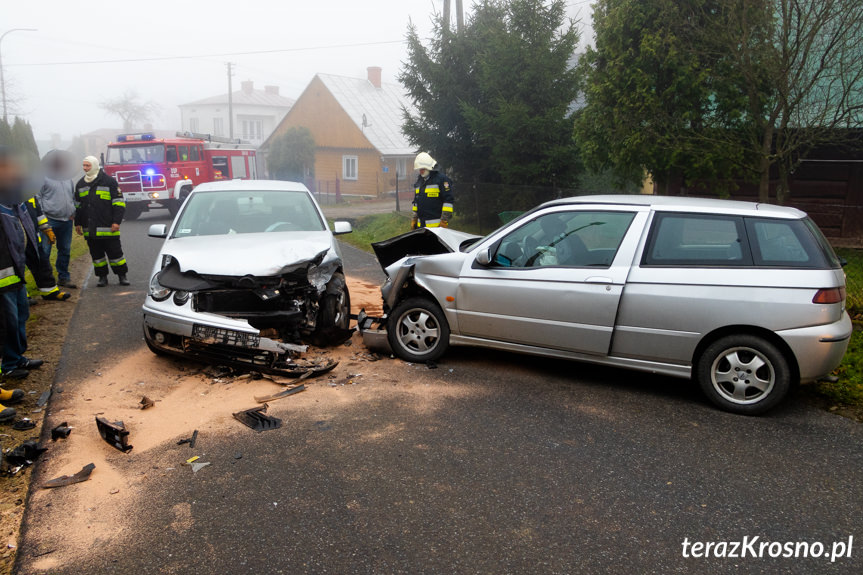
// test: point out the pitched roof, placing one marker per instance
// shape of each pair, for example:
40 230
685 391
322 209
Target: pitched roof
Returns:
247 98
381 108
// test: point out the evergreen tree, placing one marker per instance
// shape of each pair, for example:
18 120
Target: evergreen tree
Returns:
22 137
5 133
492 103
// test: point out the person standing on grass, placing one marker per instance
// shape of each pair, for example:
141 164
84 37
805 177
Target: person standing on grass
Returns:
58 204
17 238
99 210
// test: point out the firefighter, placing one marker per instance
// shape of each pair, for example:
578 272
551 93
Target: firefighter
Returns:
39 263
17 235
99 209
433 199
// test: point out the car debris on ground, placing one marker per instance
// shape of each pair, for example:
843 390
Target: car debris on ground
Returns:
62 431
115 434
281 394
65 480
147 403
257 419
190 440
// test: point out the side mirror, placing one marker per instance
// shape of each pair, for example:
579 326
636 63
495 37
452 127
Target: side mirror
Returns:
158 231
483 258
340 228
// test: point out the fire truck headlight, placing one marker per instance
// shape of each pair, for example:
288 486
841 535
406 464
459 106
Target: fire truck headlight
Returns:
154 195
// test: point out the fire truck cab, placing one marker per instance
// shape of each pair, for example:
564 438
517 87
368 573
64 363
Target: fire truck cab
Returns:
160 173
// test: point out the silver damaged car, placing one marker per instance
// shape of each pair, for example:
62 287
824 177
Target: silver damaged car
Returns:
247 273
745 298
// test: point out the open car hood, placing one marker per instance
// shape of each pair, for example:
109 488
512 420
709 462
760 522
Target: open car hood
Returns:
264 254
420 242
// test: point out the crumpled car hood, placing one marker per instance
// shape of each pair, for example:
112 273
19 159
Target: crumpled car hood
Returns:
264 254
420 242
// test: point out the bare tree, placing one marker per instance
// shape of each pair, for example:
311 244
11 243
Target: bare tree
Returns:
133 112
802 77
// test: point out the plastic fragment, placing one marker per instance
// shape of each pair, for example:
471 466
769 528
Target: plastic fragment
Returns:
64 480
62 431
198 466
147 403
115 434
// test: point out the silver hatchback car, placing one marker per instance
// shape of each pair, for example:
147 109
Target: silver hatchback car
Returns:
746 298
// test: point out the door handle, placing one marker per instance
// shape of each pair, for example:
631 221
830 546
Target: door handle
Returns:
598 280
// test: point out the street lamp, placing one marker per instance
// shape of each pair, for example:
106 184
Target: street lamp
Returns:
2 76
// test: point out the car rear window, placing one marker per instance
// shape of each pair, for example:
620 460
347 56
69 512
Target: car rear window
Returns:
789 243
697 240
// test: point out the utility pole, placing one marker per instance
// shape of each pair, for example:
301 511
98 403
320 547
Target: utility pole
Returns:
446 15
230 103
2 75
459 15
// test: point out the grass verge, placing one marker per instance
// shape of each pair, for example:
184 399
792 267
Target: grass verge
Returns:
376 227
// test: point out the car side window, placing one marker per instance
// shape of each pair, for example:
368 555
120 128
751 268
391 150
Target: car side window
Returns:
565 239
784 243
697 240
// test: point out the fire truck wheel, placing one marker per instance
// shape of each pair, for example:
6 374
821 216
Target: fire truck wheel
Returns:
174 207
132 212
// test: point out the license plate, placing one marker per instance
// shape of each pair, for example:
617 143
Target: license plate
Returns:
216 335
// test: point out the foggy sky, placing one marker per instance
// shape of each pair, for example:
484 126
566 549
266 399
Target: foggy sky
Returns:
64 98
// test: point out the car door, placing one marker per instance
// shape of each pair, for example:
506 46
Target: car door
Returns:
554 281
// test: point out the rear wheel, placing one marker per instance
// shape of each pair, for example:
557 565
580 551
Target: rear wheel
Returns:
417 330
744 374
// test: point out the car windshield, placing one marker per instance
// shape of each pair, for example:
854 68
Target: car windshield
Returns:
139 154
247 212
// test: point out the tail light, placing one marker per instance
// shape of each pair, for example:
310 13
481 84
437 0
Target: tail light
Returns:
829 295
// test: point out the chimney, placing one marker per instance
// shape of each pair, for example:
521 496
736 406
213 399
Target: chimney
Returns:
272 90
374 76
247 86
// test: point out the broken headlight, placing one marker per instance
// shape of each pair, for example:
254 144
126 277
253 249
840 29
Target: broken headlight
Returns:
181 297
157 291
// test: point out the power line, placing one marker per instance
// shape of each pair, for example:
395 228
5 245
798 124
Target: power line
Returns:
198 56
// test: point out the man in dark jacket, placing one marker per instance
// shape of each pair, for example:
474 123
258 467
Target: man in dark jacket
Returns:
17 236
433 198
99 209
38 261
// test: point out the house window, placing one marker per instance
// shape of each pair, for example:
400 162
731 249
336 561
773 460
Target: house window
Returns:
193 124
218 126
253 130
349 167
402 168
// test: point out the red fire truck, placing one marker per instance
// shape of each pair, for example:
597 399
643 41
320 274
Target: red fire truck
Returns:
160 173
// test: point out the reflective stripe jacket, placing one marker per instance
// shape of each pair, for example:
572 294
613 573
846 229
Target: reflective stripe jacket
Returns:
99 204
19 242
9 278
37 215
433 197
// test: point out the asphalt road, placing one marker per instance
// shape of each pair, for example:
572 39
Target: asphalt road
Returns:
493 463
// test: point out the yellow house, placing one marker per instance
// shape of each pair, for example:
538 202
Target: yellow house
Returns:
356 124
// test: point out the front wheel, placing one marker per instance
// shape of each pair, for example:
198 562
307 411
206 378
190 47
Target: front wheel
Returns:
133 211
417 330
744 374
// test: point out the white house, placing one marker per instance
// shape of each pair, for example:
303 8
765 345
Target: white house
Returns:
256 113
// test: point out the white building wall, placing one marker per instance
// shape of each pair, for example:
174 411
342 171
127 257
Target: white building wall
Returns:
260 121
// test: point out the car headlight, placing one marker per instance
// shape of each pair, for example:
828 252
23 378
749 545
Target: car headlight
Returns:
157 291
181 297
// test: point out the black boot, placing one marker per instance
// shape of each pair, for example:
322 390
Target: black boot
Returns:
123 280
103 281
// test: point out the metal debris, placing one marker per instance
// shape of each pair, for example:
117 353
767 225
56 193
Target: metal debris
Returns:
62 431
280 395
257 419
25 454
147 403
43 399
115 434
64 480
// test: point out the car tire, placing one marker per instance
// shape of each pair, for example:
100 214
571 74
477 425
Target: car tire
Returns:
132 212
744 374
417 330
335 309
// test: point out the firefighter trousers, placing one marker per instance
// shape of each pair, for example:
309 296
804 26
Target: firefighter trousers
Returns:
107 252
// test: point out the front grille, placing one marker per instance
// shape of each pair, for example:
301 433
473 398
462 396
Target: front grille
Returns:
214 335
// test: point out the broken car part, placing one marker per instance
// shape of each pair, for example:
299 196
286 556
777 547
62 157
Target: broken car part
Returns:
147 403
64 480
25 454
24 424
190 440
281 394
62 431
43 399
115 434
257 419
